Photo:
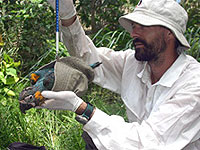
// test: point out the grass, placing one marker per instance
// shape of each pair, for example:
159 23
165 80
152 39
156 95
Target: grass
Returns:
57 130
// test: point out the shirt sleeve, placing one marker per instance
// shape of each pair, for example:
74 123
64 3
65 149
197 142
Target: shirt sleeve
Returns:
174 125
108 75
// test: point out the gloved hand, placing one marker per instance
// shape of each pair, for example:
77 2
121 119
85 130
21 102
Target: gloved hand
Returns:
66 8
63 100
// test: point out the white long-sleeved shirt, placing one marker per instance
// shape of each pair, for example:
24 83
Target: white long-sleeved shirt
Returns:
162 116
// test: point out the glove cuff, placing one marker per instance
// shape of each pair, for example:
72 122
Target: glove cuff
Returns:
69 15
77 104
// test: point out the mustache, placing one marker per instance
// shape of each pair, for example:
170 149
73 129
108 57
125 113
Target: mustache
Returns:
139 40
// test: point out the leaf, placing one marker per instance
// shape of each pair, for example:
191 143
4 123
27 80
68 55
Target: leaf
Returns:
4 66
4 102
2 78
10 80
36 1
1 41
26 16
16 64
9 92
16 79
6 57
11 71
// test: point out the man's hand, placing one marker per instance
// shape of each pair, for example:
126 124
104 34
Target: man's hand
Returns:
66 8
63 100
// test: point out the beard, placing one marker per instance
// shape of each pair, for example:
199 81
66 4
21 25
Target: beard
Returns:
151 50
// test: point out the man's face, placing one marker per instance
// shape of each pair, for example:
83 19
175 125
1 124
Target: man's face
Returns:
149 42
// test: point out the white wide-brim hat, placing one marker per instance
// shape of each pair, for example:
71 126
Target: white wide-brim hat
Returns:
167 13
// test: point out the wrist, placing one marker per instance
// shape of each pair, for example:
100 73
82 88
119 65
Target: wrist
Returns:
85 112
81 108
68 22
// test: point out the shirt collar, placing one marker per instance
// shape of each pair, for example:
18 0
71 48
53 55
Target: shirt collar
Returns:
169 77
144 75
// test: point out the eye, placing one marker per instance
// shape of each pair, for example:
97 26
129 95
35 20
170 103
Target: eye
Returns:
133 25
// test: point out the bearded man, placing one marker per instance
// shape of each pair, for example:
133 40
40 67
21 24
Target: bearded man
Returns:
158 83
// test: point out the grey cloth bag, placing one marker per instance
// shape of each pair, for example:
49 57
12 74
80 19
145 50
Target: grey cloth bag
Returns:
71 74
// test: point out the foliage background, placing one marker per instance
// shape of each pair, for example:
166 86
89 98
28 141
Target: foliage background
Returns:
27 41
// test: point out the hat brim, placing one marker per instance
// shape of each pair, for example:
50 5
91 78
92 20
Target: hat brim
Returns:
146 20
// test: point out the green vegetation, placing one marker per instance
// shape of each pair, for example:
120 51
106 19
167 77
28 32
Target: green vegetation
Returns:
8 74
27 41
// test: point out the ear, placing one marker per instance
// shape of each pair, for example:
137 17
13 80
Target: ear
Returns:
170 35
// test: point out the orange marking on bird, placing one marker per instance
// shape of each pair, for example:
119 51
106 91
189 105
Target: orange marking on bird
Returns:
34 77
38 95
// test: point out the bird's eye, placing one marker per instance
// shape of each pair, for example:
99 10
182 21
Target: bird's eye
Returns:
31 97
